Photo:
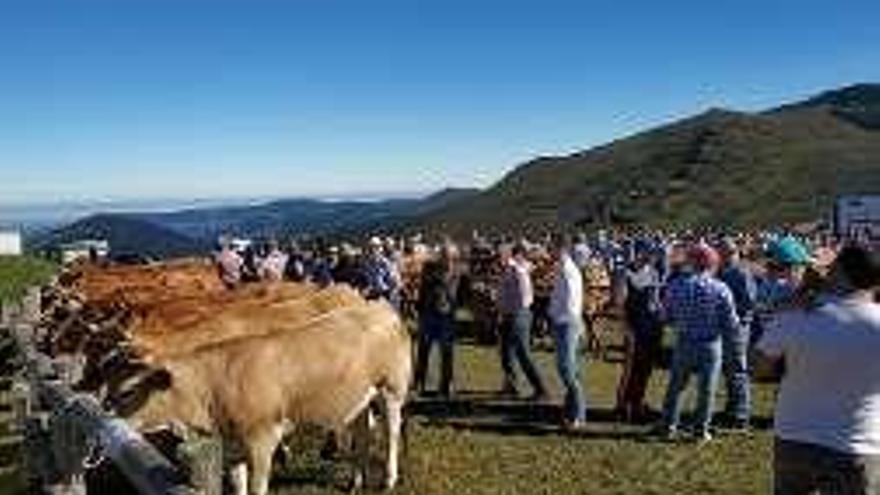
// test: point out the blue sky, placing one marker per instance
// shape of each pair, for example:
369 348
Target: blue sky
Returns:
176 99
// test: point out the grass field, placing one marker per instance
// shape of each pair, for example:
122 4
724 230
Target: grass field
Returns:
482 445
18 273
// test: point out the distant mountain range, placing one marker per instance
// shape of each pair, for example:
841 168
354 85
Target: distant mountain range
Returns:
190 231
718 168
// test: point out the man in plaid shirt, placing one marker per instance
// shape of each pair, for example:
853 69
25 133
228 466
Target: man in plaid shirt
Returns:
701 308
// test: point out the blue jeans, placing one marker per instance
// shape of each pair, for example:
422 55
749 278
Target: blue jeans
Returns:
515 348
736 374
704 359
568 337
435 328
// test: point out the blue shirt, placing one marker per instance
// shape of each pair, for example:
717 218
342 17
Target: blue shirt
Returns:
742 284
380 275
700 307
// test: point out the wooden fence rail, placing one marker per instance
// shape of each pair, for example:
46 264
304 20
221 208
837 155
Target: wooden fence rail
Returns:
64 429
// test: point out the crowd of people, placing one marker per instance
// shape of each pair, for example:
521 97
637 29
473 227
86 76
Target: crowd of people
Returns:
801 307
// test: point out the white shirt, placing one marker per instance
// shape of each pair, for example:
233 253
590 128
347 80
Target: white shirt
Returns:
830 394
580 254
273 266
567 298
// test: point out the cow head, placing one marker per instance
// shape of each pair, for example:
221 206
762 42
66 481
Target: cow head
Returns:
137 390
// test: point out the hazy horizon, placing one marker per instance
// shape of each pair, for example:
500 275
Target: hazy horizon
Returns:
54 213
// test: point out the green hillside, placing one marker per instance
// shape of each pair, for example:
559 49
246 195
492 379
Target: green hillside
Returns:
718 168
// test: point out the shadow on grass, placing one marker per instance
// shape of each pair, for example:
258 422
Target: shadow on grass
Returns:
490 412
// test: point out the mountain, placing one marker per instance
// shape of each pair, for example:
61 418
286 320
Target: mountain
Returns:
127 234
284 218
443 199
858 104
722 168
192 230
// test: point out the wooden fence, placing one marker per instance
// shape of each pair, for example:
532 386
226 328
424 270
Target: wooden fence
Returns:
65 433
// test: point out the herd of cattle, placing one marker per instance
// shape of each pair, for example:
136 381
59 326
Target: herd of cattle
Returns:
169 346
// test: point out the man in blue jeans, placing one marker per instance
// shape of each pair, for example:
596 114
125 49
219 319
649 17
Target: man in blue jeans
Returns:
515 297
701 309
566 313
741 282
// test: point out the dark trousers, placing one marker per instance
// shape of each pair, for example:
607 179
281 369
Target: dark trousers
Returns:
735 367
435 328
515 348
806 469
643 345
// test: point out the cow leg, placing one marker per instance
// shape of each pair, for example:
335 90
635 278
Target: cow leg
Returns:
261 444
361 441
394 421
238 475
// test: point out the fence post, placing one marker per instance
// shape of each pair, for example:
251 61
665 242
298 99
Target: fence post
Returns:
203 456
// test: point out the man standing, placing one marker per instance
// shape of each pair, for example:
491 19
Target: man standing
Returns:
381 275
701 309
515 299
229 265
437 302
566 310
735 344
580 252
787 259
637 291
827 421
274 264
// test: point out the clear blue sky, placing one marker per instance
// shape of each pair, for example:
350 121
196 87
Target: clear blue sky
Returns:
185 98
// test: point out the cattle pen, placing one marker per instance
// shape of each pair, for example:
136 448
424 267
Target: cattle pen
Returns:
65 433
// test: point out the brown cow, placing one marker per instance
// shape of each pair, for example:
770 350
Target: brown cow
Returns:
250 390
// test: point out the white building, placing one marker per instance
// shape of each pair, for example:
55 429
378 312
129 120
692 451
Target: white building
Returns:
10 243
857 217
83 249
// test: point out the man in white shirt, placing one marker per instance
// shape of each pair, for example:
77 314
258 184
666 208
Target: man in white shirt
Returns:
515 298
274 265
827 421
566 313
229 265
580 252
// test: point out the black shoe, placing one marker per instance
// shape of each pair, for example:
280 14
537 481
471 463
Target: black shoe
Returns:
508 391
739 426
539 397
664 433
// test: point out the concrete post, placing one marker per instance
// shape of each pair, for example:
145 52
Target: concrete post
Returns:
203 456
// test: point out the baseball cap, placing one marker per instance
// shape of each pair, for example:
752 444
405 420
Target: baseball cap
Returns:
703 256
788 251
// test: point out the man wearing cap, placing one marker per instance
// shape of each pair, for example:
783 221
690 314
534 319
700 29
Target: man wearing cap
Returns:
827 421
786 261
700 309
380 274
741 282
566 314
